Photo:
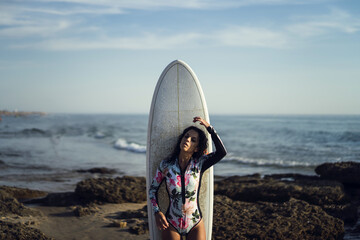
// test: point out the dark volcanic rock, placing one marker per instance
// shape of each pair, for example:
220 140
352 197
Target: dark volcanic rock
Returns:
102 170
35 132
289 177
9 205
17 231
23 193
118 190
293 219
345 172
319 192
59 199
330 195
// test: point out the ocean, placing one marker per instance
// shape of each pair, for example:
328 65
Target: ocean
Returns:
47 152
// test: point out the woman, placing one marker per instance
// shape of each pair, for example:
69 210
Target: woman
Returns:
182 171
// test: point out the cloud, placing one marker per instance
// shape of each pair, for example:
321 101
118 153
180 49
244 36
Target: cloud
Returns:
43 30
337 20
235 36
55 26
94 10
240 36
144 42
69 7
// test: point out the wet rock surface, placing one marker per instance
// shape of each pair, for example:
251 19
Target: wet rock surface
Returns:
293 219
102 170
118 190
345 172
17 231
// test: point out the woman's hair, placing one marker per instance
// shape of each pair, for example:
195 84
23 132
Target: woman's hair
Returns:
203 143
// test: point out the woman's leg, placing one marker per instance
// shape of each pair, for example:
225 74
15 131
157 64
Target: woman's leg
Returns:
170 233
198 232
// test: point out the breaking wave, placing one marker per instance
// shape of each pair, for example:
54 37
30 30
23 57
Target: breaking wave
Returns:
267 162
122 144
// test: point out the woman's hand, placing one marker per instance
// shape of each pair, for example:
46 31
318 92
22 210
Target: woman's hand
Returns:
202 121
161 221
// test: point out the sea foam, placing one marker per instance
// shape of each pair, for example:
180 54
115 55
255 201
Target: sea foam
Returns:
267 162
122 144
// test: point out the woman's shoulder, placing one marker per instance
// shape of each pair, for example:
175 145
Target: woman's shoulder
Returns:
204 157
165 163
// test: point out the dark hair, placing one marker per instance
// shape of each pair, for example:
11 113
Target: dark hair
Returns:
203 143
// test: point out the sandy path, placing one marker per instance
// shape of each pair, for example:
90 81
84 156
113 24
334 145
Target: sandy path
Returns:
60 223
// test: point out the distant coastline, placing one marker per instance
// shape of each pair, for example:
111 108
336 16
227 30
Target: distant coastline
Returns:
19 113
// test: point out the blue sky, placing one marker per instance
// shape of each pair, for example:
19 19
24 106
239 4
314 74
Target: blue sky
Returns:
251 56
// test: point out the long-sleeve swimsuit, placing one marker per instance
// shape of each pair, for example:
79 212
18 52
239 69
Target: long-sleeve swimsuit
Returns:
183 186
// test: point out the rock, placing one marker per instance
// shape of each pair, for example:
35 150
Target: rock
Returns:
23 193
33 132
354 192
330 195
118 190
345 172
141 213
317 192
58 199
9 205
102 170
347 212
136 219
293 219
17 231
140 228
133 216
81 211
290 177
118 224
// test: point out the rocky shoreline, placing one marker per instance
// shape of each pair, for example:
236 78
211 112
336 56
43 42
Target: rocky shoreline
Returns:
279 206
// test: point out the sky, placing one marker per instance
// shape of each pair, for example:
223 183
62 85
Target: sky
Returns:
250 56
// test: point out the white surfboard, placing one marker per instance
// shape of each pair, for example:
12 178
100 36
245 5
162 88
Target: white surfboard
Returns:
177 99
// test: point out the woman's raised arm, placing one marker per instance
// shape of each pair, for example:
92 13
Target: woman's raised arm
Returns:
220 150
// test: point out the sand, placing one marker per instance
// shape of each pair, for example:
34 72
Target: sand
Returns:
60 223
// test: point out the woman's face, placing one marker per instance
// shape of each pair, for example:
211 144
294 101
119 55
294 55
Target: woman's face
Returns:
190 141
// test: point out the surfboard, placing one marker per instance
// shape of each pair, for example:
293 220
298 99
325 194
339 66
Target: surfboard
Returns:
177 99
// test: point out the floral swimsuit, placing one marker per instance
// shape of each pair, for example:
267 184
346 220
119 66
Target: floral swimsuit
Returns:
183 187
